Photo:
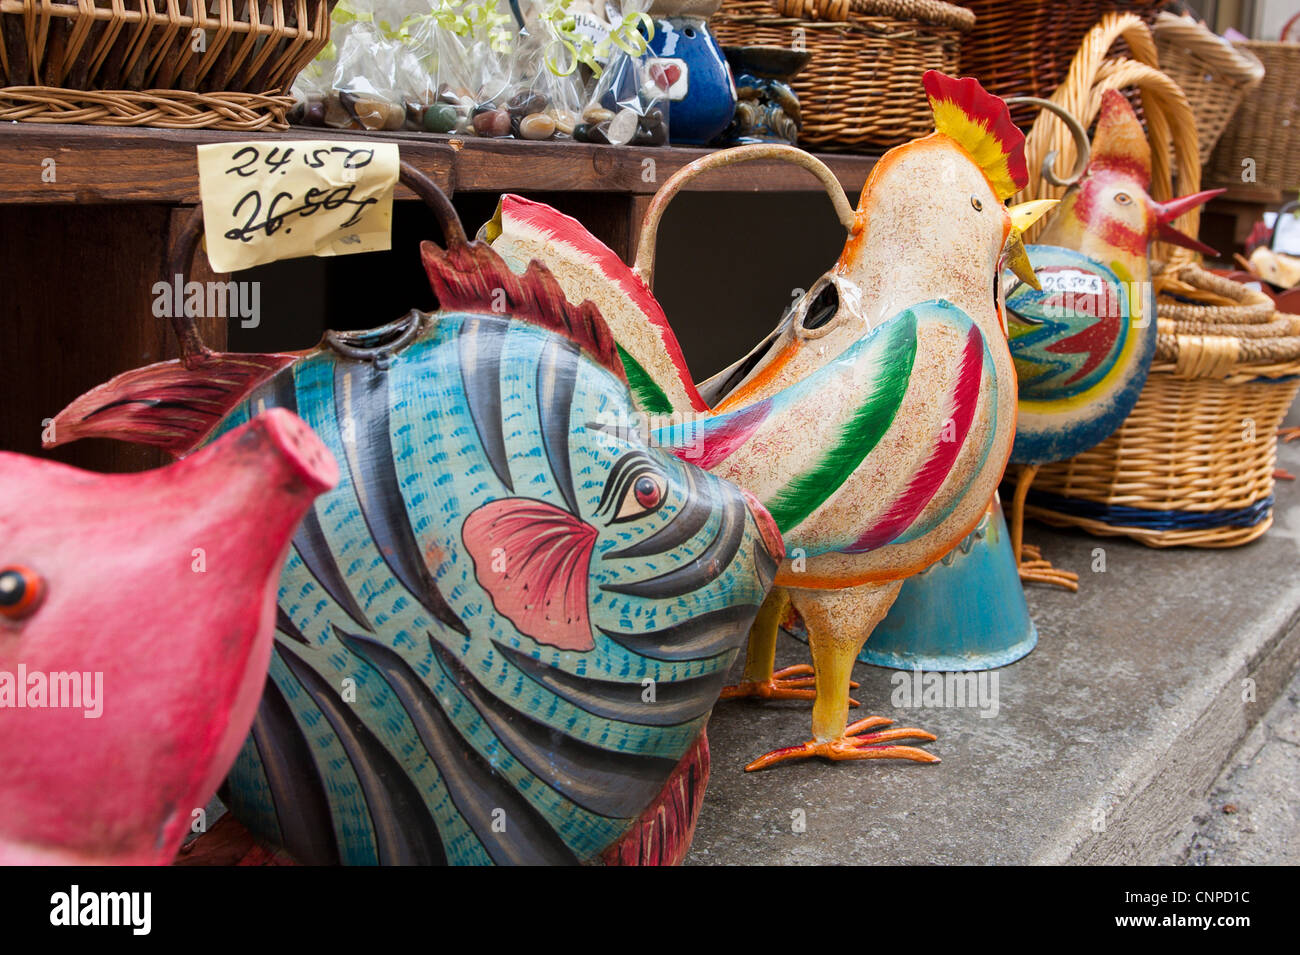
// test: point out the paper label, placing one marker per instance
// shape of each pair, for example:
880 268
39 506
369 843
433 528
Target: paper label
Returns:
265 201
592 27
1070 280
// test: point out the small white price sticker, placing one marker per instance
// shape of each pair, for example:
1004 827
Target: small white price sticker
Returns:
270 200
1071 280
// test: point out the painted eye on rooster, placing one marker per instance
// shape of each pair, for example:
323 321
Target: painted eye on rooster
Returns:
1123 199
976 204
21 590
636 487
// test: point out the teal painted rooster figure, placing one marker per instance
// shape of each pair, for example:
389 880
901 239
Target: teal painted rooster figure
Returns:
499 638
1083 341
875 421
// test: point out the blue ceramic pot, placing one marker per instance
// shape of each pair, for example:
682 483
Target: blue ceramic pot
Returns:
686 60
965 612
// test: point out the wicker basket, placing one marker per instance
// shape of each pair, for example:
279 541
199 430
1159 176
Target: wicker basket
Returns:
220 64
1193 464
1214 74
1266 127
1024 47
862 88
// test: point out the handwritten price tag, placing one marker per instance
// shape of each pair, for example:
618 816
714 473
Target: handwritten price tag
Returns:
1071 280
264 201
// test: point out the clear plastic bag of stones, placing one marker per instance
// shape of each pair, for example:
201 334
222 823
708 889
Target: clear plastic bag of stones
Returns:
625 104
453 106
545 101
364 93
492 82
416 67
310 90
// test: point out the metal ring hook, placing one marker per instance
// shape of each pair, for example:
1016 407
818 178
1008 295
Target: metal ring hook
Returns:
1081 142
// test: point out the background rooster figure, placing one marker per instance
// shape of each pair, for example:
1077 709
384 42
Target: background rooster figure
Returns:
1083 342
875 421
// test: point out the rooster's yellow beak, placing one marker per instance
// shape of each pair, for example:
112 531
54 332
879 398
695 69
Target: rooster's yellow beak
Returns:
1022 217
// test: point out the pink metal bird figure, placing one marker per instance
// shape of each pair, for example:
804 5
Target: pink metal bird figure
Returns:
136 619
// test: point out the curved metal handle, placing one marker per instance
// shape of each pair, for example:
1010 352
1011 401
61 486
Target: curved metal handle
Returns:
645 252
1081 143
185 242
1284 35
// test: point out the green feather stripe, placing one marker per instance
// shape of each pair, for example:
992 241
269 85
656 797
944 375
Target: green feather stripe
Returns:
810 489
649 397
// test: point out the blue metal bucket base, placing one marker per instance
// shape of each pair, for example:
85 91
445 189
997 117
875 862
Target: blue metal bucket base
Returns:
966 612
904 660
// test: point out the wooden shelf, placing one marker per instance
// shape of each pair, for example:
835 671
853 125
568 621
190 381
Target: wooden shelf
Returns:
101 164
79 255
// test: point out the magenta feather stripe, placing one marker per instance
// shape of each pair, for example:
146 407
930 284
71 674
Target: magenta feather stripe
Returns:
719 438
922 488
570 232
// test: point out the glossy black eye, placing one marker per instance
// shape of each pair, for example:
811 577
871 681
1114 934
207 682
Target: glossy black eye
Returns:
824 306
976 204
21 590
1123 198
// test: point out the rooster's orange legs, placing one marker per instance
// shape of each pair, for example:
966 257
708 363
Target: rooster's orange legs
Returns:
759 679
1036 569
853 746
839 623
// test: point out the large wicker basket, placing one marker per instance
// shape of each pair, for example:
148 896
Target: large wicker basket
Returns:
1024 47
1193 464
1214 74
187 64
1266 127
862 87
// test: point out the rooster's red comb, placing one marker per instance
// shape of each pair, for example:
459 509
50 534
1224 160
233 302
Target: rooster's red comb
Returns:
1119 142
981 124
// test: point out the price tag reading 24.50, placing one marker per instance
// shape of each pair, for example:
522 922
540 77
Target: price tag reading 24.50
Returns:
265 201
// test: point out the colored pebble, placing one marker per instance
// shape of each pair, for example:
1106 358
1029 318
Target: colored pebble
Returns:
492 124
537 126
440 118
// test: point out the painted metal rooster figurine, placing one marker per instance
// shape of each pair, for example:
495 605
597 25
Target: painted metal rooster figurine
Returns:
500 637
875 421
1083 342
136 619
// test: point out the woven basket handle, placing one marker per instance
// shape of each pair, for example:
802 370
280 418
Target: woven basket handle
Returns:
185 242
924 11
1209 49
645 253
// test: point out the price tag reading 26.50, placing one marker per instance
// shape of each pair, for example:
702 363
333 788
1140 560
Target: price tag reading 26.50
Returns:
282 199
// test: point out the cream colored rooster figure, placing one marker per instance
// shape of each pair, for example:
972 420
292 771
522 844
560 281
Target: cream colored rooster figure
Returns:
875 422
